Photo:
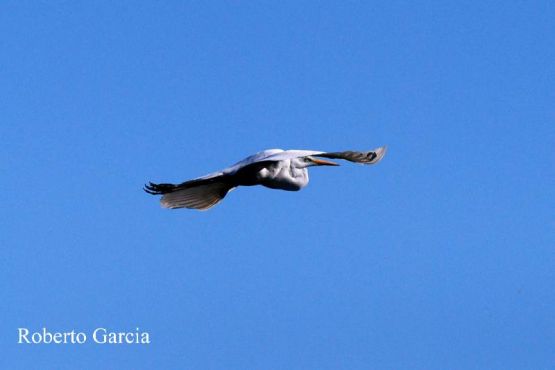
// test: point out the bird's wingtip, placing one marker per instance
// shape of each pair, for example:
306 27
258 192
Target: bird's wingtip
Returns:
149 188
381 150
380 153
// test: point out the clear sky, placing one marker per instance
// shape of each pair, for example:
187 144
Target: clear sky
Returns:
440 257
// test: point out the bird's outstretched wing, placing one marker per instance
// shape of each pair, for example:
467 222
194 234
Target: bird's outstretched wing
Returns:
203 192
370 157
200 194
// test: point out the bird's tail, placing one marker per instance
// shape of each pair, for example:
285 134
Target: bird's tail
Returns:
200 196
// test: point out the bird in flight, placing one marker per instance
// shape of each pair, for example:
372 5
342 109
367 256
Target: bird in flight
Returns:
273 168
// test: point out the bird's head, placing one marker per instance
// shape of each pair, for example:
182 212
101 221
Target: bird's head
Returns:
309 161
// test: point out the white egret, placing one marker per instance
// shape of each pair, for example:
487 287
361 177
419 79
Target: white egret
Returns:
273 168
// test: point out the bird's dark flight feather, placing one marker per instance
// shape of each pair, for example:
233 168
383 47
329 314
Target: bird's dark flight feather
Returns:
198 194
157 189
357 157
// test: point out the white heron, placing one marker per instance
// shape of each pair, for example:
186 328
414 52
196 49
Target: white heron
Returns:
273 168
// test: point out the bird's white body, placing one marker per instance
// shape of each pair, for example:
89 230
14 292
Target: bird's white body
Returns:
283 175
272 168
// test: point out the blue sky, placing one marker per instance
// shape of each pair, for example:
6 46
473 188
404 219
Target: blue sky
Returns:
439 257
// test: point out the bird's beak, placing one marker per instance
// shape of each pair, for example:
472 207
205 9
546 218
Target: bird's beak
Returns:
321 162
